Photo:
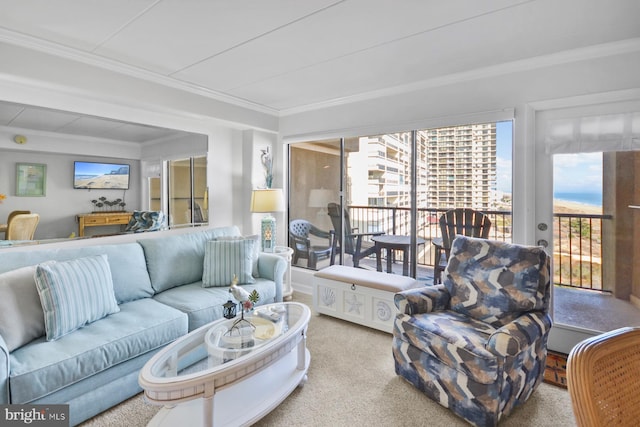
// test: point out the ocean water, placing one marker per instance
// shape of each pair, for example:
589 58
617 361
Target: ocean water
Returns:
594 199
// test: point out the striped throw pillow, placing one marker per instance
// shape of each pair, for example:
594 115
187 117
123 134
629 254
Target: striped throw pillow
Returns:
225 258
74 293
256 250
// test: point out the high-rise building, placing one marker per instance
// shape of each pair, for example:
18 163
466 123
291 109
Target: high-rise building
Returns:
461 167
456 167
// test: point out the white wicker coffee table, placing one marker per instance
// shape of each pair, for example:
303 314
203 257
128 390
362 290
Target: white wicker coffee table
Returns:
213 377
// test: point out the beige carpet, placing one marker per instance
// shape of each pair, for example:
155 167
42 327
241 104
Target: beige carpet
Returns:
352 382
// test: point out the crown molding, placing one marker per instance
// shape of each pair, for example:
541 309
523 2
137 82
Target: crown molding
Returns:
558 58
44 46
542 61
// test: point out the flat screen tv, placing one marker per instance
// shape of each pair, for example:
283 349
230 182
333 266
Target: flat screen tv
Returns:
101 176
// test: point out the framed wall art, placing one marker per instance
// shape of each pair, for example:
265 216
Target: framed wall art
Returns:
31 180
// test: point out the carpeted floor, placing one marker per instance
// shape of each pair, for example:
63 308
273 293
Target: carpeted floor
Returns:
352 382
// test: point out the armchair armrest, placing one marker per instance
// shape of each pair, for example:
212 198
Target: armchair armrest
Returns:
422 300
361 235
319 233
273 267
522 332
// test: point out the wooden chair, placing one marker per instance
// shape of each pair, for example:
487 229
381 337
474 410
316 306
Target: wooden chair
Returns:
603 377
299 232
14 213
354 244
463 221
3 227
22 226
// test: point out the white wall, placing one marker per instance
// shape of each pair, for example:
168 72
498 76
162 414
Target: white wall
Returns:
40 79
461 99
31 77
62 202
35 78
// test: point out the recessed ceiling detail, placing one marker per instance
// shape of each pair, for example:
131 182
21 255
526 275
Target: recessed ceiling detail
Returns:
285 55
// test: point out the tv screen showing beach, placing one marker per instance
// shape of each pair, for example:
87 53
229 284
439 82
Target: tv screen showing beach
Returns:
92 175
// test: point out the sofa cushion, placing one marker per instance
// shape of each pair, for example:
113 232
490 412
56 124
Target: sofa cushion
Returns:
127 262
204 305
226 259
21 315
179 259
455 339
494 281
41 368
256 253
74 293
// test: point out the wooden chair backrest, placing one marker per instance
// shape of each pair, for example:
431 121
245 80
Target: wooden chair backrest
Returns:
336 219
465 221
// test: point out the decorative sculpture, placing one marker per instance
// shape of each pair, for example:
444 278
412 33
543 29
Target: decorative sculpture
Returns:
243 298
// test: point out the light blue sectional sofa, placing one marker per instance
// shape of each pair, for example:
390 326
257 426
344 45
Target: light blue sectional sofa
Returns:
157 284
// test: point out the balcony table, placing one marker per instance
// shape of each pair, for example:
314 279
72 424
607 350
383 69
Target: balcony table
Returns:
392 242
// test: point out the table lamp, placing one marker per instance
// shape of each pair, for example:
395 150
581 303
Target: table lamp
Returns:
267 201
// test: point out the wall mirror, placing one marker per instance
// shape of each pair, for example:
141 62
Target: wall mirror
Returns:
56 139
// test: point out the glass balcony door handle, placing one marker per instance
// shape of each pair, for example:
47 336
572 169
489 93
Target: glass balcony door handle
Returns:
543 243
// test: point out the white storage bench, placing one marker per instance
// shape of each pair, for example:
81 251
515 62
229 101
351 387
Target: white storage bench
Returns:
360 296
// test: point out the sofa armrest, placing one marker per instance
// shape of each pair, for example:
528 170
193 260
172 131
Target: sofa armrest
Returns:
422 300
273 267
521 333
4 372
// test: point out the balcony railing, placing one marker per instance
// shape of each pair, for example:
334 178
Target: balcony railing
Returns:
577 238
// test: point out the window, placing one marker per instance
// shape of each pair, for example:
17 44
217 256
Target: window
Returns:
457 166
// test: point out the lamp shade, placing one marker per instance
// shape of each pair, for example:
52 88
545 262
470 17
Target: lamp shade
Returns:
320 198
267 200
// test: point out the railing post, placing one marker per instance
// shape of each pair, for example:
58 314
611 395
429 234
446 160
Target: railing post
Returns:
393 221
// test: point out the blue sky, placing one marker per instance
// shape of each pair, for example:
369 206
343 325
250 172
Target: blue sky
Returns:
572 173
504 144
577 173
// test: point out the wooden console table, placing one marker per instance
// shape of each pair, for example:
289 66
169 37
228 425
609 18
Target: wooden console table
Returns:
101 219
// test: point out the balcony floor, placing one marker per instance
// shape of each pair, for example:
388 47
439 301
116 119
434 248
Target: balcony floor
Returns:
574 307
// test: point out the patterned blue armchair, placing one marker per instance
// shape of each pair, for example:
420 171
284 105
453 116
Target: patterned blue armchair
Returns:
143 221
477 343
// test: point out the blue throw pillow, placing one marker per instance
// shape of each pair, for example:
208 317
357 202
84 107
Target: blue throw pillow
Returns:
256 250
225 258
74 293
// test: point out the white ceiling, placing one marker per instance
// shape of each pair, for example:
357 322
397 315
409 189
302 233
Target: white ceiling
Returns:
30 118
284 56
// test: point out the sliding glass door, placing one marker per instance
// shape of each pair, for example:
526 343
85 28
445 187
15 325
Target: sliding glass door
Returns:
399 184
315 182
188 193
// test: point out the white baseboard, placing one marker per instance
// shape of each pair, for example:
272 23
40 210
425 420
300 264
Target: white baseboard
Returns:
563 338
302 280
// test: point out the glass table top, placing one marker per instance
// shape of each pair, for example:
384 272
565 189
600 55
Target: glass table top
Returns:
222 342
